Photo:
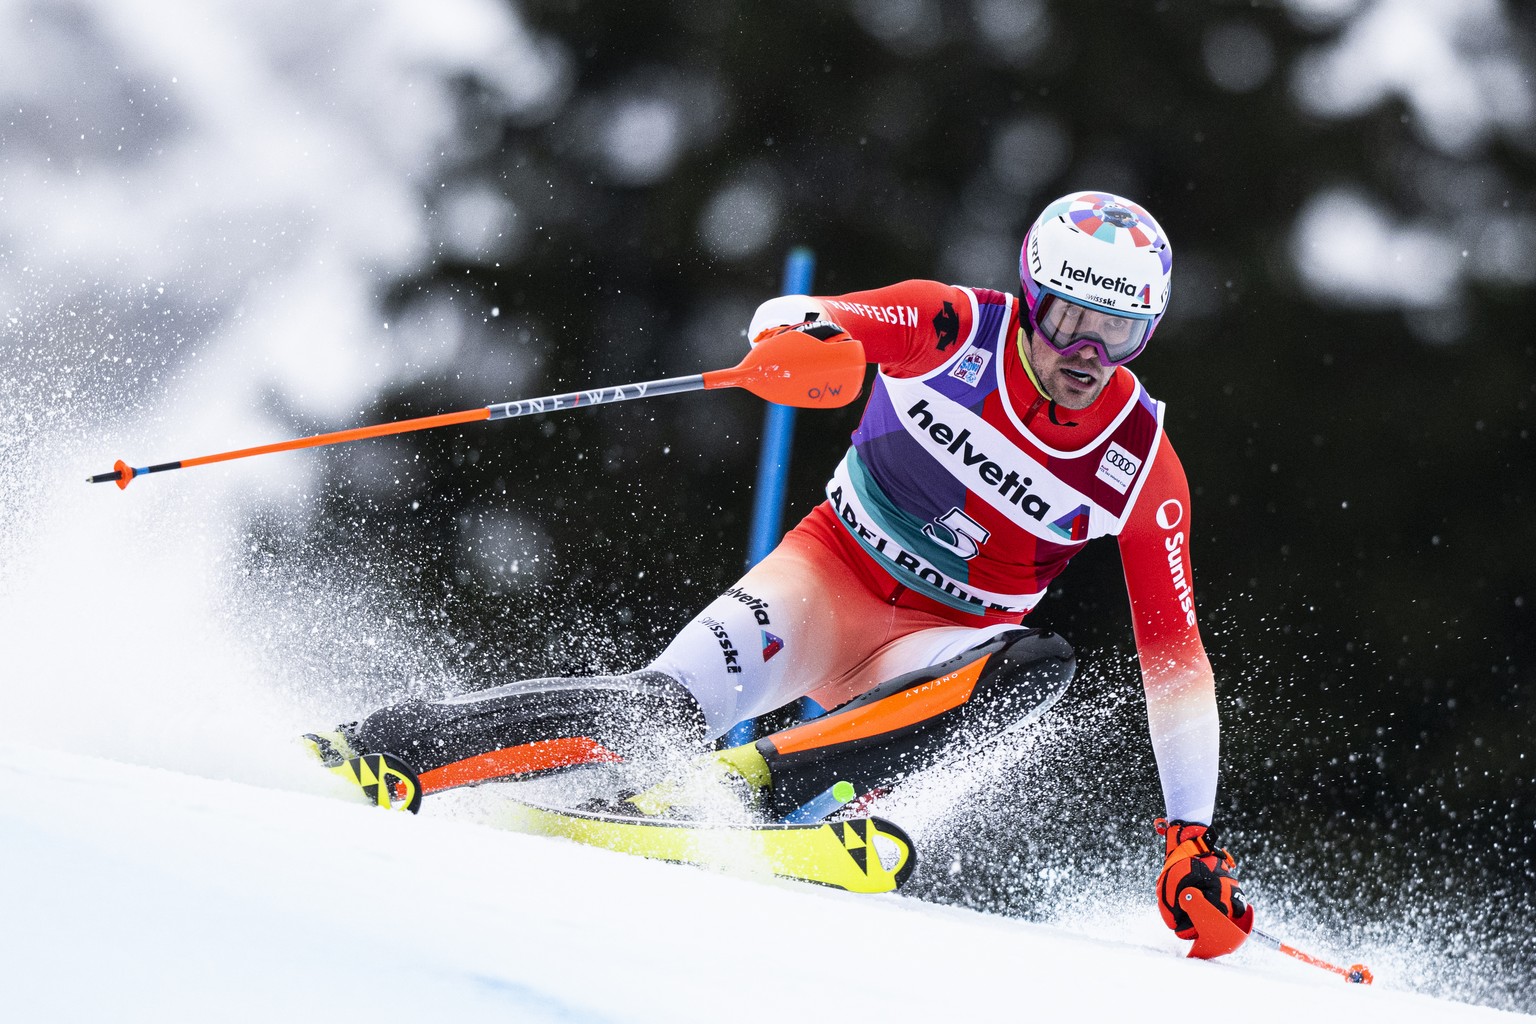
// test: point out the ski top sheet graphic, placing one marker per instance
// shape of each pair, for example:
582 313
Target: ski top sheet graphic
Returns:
864 854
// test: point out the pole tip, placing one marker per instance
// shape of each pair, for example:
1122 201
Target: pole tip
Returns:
120 475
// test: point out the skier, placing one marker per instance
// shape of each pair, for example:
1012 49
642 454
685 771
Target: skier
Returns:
1000 437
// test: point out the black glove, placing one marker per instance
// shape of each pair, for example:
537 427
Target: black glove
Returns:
821 330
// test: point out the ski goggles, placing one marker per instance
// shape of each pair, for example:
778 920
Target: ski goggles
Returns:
1067 327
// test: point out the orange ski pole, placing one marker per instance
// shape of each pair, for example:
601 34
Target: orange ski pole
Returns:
790 368
1218 935
1357 974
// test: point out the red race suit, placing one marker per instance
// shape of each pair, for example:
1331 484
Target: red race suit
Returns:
966 491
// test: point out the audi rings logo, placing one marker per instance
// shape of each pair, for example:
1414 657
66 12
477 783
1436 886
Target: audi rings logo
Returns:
1118 468
1170 514
1120 461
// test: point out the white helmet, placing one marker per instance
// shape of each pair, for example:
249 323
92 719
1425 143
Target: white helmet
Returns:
1106 255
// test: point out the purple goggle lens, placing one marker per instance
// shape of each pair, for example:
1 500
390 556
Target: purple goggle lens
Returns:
1066 327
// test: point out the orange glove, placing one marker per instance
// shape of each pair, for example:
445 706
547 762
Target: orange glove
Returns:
1193 863
822 330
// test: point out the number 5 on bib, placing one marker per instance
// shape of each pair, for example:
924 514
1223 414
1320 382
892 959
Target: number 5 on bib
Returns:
958 532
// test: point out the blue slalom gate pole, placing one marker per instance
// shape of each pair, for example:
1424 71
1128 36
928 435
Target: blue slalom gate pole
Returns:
773 462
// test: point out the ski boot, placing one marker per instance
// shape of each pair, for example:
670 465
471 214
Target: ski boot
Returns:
384 779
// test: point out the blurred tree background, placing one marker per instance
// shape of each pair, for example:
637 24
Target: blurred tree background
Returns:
1349 362
242 221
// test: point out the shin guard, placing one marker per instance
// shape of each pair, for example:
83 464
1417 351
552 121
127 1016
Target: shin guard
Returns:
524 729
911 721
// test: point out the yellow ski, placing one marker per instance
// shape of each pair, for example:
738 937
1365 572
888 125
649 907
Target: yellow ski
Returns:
864 854
861 854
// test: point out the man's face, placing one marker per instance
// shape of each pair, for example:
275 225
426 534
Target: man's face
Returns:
1072 382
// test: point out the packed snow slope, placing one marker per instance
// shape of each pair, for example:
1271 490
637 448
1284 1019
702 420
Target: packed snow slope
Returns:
140 893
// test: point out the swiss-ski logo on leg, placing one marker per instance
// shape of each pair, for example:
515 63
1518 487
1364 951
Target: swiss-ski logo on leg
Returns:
771 644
